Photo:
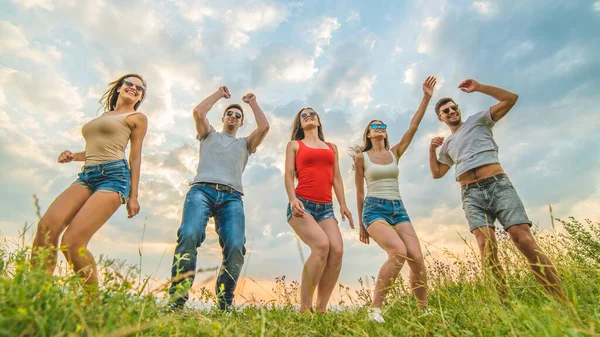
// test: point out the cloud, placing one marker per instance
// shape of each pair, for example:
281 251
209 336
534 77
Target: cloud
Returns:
353 18
28 4
322 32
251 17
15 43
486 8
282 63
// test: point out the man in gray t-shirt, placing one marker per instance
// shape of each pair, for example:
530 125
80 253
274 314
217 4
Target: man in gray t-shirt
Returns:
216 191
487 193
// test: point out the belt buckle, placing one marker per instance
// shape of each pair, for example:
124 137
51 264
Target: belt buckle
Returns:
223 188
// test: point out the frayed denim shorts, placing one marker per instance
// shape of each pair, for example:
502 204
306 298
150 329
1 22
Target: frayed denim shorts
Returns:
319 210
112 176
390 211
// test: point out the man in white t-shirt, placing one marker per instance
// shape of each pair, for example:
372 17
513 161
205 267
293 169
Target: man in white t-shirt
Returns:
487 193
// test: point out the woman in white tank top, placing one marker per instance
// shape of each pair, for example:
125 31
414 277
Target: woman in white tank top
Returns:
382 213
106 181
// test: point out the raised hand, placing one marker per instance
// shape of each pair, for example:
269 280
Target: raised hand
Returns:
468 85
224 92
133 207
428 85
436 142
363 235
66 157
346 214
249 98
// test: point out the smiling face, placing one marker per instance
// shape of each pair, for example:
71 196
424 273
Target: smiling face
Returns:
233 117
132 90
309 119
377 130
449 113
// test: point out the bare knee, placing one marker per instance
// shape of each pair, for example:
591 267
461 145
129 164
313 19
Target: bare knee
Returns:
71 241
524 241
321 249
397 254
336 252
49 229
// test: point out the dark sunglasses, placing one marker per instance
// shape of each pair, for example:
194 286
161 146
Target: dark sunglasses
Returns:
378 126
237 114
447 110
306 114
129 83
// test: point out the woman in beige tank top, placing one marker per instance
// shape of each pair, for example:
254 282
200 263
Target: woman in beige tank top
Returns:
105 182
382 214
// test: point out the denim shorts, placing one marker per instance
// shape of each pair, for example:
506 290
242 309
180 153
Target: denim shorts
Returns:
112 176
390 211
496 199
319 210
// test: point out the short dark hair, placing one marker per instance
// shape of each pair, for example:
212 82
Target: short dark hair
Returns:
237 106
441 102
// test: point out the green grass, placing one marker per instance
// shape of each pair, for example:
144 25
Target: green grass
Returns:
464 304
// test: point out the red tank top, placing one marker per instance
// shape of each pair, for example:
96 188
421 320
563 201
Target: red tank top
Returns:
315 172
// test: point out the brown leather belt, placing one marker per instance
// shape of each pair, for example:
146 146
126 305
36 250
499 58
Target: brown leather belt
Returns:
218 187
485 181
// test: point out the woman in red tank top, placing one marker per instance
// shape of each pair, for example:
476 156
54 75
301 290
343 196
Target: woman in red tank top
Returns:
310 211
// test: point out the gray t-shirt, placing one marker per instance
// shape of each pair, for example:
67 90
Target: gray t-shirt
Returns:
472 145
223 158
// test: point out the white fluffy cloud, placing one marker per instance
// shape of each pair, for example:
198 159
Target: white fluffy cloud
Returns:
15 43
486 8
282 63
322 33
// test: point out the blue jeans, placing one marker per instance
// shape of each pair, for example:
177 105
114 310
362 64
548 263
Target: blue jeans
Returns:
111 176
227 208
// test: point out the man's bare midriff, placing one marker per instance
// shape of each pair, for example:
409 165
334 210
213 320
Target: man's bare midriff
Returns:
479 173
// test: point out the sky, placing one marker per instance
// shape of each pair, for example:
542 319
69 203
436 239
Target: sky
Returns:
352 61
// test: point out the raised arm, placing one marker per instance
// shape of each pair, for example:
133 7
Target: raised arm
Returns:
401 146
359 184
338 188
438 169
507 99
202 109
262 125
140 124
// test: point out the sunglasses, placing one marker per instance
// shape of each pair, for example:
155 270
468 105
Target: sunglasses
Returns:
306 114
378 126
237 114
129 83
447 110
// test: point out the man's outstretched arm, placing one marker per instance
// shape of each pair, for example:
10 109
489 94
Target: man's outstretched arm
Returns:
507 99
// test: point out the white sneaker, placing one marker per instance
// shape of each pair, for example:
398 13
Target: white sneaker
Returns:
427 312
375 315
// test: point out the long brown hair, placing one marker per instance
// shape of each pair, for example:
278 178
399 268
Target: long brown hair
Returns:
297 130
108 101
367 143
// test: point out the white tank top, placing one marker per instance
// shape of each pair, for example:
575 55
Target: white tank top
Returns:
382 180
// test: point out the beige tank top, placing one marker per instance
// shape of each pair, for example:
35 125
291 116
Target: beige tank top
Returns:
382 180
106 138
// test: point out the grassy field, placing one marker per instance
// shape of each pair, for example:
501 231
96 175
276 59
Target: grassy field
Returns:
463 302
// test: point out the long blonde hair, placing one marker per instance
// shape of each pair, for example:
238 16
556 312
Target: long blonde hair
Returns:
297 132
367 143
108 101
